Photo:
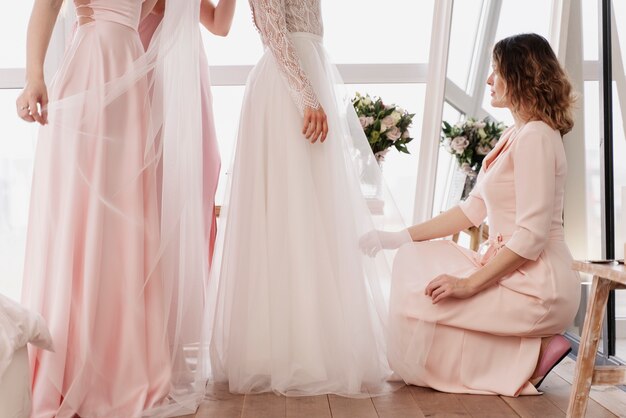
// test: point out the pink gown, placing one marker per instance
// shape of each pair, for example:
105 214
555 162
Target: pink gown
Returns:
211 153
489 343
93 233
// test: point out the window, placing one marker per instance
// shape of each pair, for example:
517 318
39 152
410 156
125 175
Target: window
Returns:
13 24
466 20
369 63
393 31
17 145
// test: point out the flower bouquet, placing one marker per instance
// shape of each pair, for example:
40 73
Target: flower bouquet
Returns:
470 142
385 126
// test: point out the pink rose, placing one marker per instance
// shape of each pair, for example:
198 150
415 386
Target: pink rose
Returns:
394 134
366 121
459 144
380 156
483 149
387 123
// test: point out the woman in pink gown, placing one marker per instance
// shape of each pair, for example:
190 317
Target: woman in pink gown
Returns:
217 19
97 259
489 324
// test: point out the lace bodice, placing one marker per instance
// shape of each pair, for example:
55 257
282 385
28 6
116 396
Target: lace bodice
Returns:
275 19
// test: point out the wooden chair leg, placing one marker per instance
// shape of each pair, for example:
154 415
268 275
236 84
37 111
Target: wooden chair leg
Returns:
474 238
592 331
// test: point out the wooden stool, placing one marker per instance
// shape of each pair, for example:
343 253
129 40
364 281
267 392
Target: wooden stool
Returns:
478 235
606 277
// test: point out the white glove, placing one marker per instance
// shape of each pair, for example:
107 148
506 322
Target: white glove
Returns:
374 241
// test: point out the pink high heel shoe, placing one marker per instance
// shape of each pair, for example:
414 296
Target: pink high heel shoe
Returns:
558 348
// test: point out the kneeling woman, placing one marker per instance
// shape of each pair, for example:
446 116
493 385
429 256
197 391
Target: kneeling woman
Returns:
489 324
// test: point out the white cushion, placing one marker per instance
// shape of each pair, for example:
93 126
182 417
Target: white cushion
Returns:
15 401
18 327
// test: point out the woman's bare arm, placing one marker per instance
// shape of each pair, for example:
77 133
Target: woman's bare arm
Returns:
31 103
217 19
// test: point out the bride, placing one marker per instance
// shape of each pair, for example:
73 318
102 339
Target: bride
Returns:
297 308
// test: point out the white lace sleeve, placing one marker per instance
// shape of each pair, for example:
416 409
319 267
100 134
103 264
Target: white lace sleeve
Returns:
269 17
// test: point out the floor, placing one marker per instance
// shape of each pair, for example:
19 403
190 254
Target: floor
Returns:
411 401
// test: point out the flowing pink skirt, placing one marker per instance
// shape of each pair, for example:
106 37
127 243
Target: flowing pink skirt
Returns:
93 240
489 343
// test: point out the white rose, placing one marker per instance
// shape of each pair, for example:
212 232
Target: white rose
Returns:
480 124
483 149
396 116
366 101
459 144
400 110
394 134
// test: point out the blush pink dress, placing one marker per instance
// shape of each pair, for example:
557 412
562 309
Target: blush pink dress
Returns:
211 153
489 343
93 233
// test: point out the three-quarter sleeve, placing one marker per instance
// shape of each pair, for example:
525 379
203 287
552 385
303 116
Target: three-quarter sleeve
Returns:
474 206
269 17
534 163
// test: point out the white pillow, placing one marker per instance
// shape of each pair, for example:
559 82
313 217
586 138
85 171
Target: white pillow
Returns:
18 327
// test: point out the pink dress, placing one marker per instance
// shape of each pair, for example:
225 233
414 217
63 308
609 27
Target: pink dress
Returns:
489 343
211 153
93 233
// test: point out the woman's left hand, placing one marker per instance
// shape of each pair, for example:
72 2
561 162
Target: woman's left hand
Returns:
446 286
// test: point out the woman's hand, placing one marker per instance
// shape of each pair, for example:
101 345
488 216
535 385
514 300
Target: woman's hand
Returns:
315 125
32 102
446 286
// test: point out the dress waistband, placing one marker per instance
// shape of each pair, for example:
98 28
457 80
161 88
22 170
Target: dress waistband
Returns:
497 241
96 12
306 35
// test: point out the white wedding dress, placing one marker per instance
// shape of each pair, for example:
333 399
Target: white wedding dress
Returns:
296 308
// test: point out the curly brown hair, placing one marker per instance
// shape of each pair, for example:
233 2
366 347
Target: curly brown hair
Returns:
536 84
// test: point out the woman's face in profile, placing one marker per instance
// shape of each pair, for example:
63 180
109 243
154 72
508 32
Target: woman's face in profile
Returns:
498 88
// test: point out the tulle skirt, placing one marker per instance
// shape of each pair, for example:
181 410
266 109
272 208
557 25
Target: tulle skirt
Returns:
298 308
211 162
